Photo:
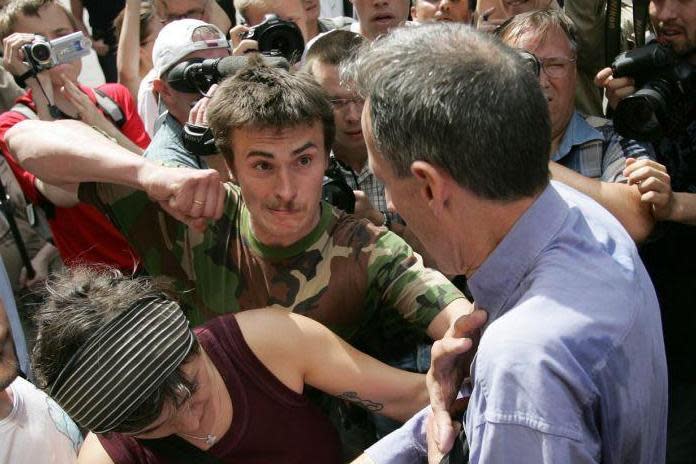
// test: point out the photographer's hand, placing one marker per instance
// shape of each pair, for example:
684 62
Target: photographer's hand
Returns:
364 208
616 88
13 61
240 46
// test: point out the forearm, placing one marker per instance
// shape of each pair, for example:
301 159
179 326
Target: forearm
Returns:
128 53
620 199
120 138
684 209
69 152
451 312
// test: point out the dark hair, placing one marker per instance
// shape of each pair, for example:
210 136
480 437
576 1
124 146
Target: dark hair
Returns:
265 97
146 15
12 9
333 48
78 302
468 106
539 22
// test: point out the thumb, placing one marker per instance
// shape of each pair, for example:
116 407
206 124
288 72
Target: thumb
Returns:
445 431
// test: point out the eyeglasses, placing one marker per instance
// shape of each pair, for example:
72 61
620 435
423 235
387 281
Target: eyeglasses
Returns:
557 66
342 103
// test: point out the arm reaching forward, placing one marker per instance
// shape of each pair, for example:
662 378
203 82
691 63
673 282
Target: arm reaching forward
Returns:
66 153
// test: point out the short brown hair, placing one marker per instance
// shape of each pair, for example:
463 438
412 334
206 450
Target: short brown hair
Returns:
333 48
265 97
11 11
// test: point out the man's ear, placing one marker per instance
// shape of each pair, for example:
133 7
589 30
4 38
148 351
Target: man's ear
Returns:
161 87
433 185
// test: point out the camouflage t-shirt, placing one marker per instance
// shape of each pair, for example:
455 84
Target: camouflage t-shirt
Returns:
362 281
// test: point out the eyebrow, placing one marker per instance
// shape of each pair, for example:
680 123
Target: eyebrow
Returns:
265 154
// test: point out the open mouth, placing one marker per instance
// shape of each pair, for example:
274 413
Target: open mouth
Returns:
383 19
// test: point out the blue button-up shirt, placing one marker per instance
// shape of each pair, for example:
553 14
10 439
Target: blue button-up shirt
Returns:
590 146
571 364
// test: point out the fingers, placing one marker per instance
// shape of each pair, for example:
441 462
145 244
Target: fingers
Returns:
237 33
445 430
245 46
199 113
602 77
641 171
13 58
464 325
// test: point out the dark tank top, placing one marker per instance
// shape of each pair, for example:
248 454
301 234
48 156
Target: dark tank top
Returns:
271 423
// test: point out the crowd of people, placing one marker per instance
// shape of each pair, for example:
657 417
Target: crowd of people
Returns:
439 231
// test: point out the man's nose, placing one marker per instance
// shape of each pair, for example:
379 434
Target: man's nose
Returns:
285 188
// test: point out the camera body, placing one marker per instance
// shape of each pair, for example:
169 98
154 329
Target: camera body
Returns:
43 54
666 86
335 190
278 38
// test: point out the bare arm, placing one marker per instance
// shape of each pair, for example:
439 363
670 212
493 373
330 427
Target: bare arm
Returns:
622 200
77 10
128 53
299 351
92 452
69 152
218 17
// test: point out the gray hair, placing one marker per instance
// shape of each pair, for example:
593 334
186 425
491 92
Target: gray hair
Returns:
460 100
540 23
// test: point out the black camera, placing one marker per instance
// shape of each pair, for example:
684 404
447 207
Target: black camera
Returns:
666 84
335 190
278 38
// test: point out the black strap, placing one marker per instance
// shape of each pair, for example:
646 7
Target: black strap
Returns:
640 19
612 31
22 80
176 450
110 108
347 8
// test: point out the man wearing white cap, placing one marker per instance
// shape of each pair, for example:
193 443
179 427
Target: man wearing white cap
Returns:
177 42
174 43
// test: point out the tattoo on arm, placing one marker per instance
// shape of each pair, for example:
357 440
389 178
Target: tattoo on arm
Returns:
365 403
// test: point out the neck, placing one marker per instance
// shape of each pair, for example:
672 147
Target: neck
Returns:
492 221
355 159
556 142
312 29
6 400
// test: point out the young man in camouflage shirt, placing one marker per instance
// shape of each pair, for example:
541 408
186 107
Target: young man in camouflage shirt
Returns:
273 243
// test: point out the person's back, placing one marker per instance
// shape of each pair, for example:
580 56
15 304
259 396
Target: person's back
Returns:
569 343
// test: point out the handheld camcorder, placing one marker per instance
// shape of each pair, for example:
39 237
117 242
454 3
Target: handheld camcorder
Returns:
277 38
666 84
43 54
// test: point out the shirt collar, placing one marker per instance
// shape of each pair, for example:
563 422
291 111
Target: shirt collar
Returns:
494 282
578 132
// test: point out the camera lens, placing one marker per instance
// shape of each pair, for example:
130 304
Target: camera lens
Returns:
638 116
41 52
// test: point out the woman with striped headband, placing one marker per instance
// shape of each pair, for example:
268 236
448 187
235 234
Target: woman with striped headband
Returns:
119 357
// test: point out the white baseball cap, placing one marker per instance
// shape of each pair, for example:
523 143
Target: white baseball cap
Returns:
179 38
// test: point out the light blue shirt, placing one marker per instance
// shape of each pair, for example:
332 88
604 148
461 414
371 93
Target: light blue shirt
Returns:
571 364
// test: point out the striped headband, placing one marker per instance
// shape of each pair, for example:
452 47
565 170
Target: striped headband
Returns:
123 363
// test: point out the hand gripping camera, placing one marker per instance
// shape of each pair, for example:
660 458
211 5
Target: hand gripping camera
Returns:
278 38
666 86
43 54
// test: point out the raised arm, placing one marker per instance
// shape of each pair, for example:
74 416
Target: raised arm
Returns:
128 53
300 351
68 153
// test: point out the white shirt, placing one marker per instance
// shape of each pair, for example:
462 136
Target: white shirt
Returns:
37 430
147 103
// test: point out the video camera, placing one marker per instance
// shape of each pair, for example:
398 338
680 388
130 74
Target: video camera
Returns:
277 38
666 86
43 54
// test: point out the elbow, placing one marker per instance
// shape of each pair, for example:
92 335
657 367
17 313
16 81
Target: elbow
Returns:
16 139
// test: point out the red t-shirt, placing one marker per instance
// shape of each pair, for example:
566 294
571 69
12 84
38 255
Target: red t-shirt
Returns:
81 233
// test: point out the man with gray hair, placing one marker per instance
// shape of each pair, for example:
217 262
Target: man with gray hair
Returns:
570 366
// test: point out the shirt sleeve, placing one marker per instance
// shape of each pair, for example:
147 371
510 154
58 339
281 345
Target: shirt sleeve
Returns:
405 445
418 293
617 150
